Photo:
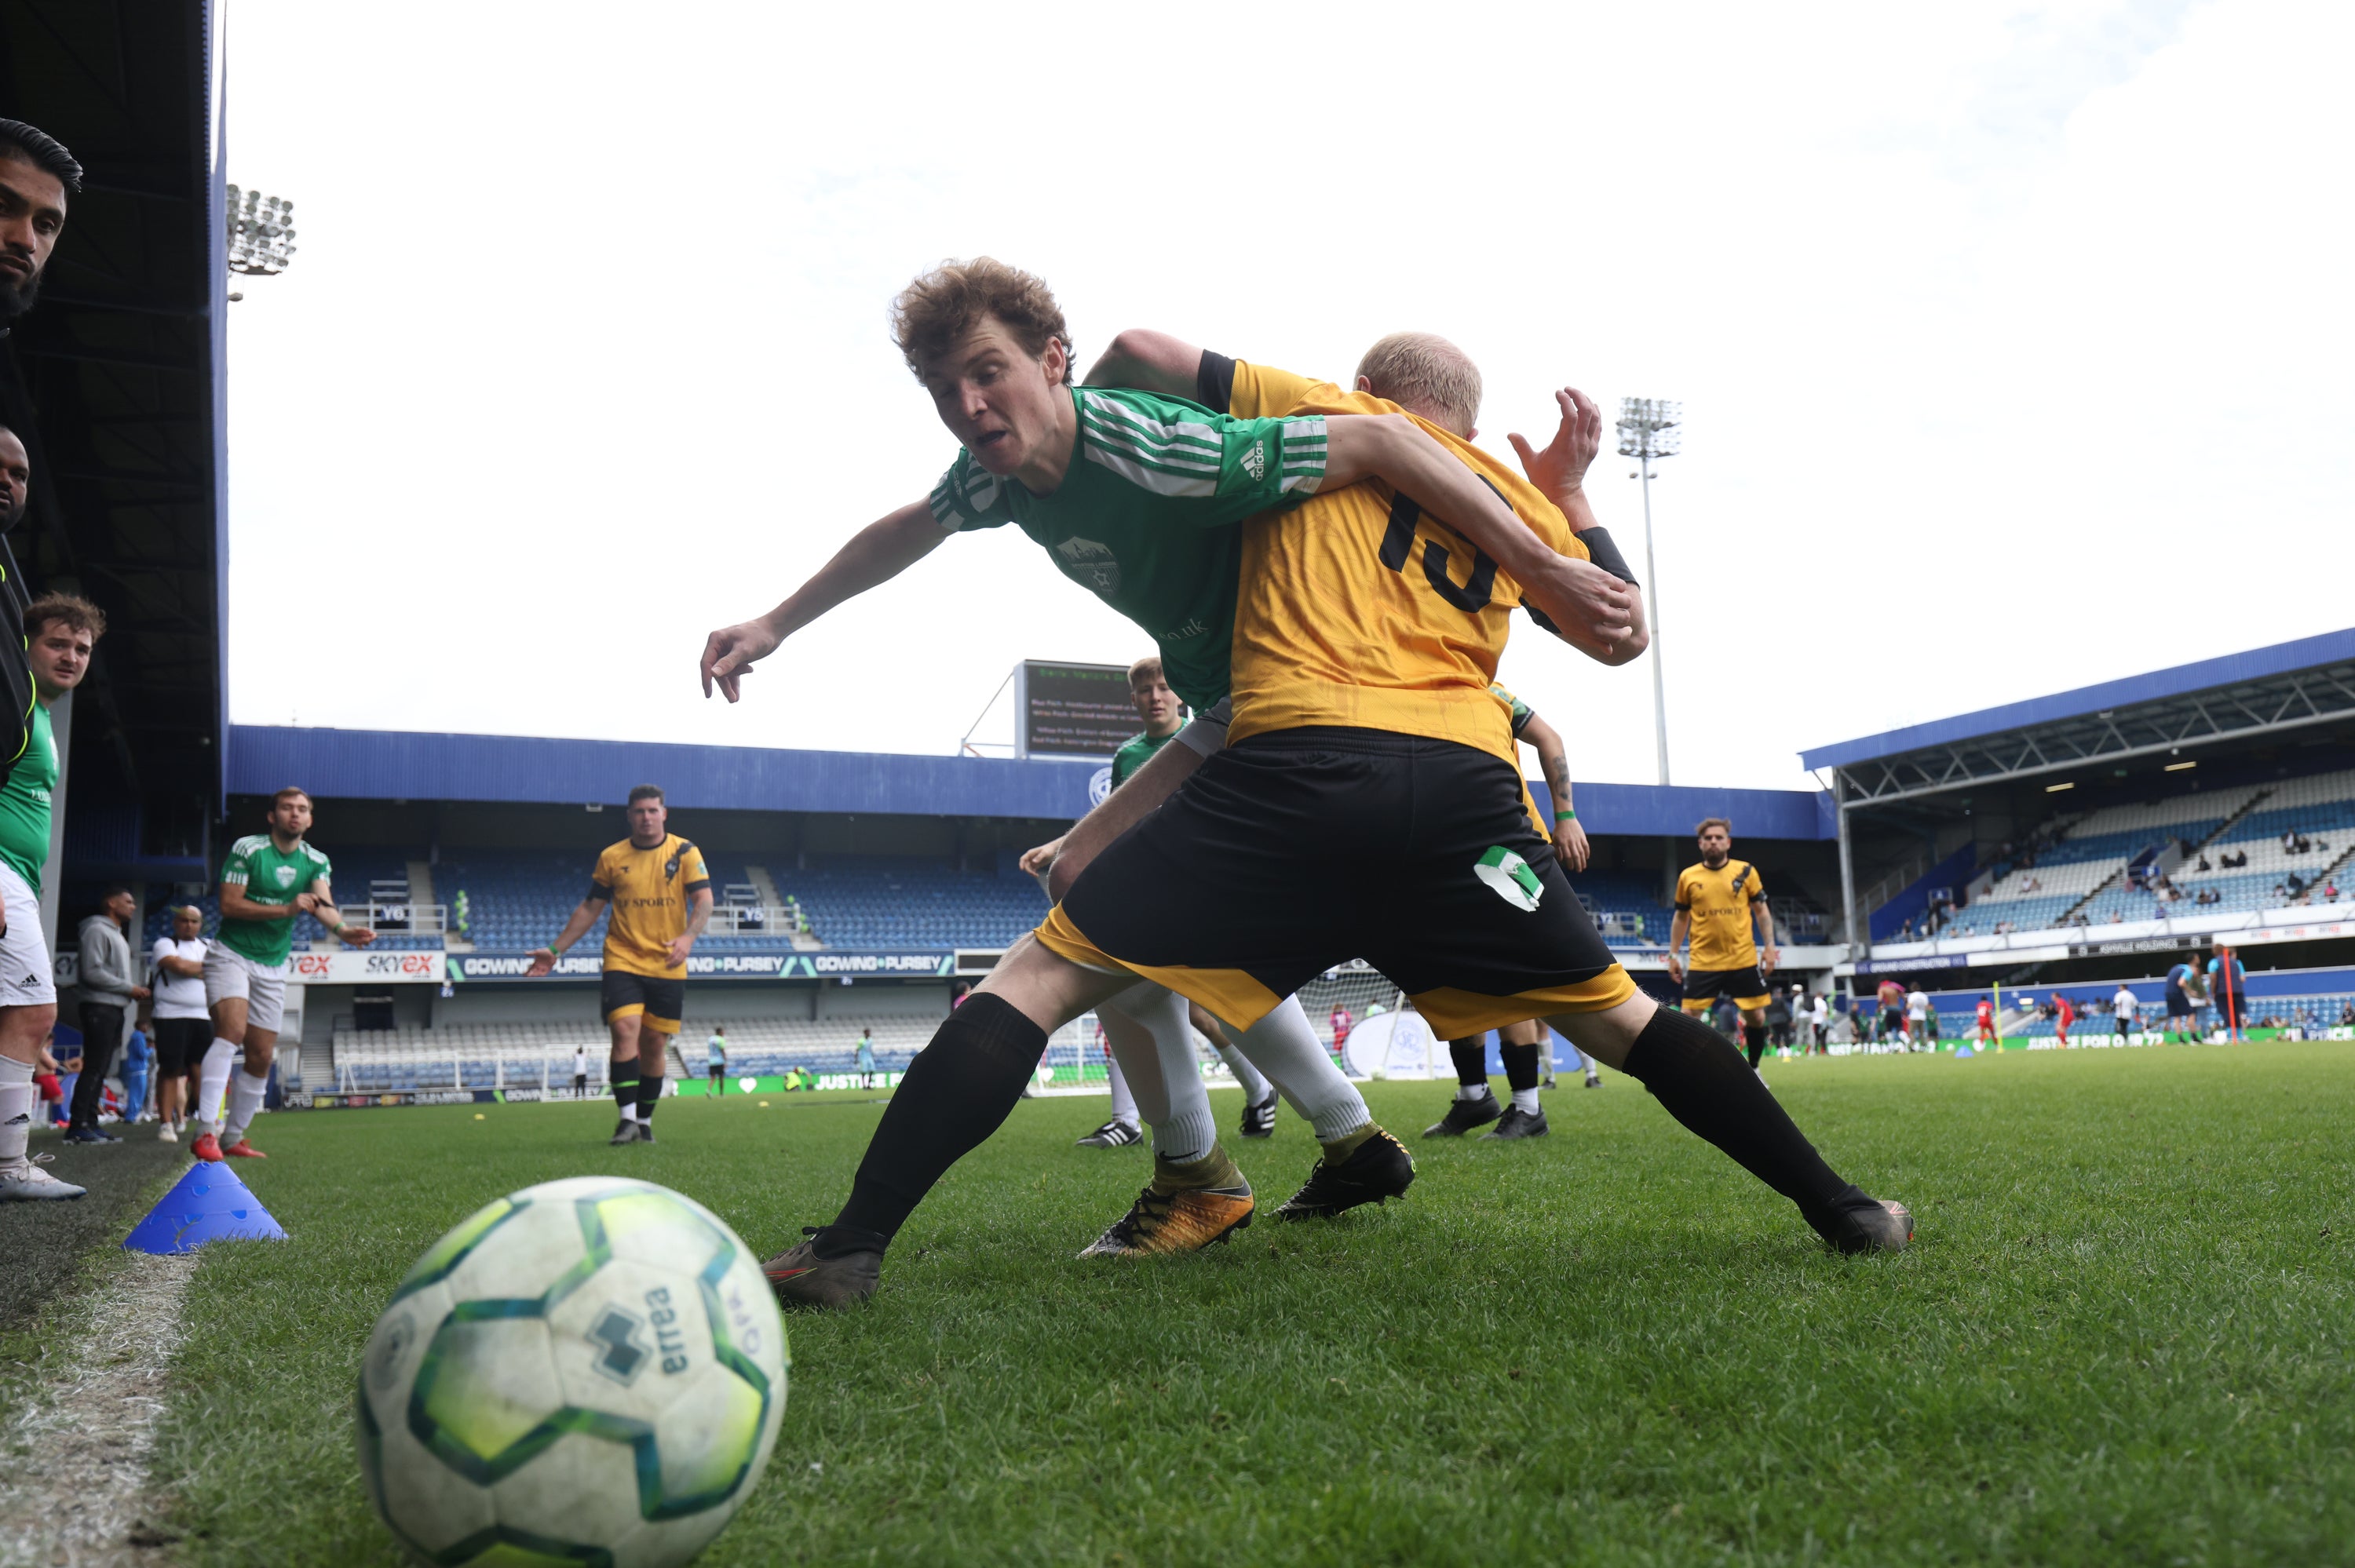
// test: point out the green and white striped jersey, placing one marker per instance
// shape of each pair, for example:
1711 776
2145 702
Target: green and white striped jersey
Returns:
1146 517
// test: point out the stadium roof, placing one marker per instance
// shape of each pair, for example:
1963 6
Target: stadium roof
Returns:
114 383
354 764
2241 696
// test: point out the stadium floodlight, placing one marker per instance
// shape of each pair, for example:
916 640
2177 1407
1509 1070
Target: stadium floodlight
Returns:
260 233
1651 429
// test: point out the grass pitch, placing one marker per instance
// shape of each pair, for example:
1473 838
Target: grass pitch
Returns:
2122 1336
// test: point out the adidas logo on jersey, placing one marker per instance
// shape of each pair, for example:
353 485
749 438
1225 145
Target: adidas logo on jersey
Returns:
1255 461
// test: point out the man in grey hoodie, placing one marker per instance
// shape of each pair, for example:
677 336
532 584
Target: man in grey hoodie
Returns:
109 985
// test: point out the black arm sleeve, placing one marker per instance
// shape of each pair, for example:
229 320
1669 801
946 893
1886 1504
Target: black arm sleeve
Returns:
1605 553
1214 382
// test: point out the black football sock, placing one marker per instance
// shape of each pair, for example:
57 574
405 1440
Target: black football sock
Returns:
1753 1035
625 1085
1521 1066
958 1091
1700 1081
1471 1062
649 1095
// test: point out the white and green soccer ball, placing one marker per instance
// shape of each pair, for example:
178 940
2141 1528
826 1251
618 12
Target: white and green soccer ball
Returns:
588 1371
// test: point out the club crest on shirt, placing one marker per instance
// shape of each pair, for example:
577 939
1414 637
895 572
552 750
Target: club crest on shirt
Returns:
285 874
1091 564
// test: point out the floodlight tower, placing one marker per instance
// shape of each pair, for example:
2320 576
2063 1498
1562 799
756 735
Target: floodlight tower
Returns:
1649 429
260 233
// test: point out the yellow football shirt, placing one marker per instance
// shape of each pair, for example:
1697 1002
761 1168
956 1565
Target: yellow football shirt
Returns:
1718 902
1358 609
650 891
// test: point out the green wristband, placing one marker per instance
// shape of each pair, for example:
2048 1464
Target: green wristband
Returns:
1558 816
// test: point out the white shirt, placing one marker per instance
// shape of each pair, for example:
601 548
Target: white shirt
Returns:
1917 1004
1822 1010
580 1061
2124 1003
177 996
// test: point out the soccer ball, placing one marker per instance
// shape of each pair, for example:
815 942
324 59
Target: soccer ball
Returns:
587 1371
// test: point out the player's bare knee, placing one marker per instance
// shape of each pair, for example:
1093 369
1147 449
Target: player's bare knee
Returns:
1047 989
1607 1035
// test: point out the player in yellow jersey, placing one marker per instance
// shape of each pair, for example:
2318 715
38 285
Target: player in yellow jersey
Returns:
655 883
1366 805
1722 907
1519 1047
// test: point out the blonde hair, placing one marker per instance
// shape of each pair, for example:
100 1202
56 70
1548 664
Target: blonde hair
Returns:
946 302
1708 823
1144 669
1425 372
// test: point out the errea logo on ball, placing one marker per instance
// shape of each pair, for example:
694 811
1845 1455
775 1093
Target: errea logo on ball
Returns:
1099 786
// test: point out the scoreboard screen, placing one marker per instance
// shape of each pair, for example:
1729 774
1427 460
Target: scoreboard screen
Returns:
1074 710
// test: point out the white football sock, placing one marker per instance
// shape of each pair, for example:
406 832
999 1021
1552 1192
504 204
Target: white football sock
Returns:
1255 1088
1153 1043
1527 1100
16 1109
245 1096
1287 1049
1478 1091
1123 1104
212 1085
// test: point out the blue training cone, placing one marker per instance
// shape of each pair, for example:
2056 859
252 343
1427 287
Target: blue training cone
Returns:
208 1203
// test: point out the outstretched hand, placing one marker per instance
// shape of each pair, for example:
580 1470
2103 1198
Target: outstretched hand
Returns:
730 652
1035 860
1560 470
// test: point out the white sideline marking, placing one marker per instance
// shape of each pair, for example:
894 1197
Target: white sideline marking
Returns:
73 1474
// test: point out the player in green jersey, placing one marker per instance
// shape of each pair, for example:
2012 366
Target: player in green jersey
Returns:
1135 495
267 880
1130 1018
61 631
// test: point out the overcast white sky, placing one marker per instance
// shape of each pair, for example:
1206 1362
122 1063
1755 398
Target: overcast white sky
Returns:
2014 341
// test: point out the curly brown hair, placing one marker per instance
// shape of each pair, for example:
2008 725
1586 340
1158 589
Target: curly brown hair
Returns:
78 613
944 303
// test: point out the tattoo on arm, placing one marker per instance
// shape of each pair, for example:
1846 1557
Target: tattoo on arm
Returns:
1557 776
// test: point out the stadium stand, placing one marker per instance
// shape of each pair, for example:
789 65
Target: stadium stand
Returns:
2081 877
1625 905
517 900
881 901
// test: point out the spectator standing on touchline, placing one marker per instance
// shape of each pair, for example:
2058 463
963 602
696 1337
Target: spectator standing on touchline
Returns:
866 1057
581 1072
175 966
714 1051
109 985
2122 1007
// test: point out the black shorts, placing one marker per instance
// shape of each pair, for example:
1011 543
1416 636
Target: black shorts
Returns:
1291 853
662 1003
1746 987
2179 1007
180 1045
